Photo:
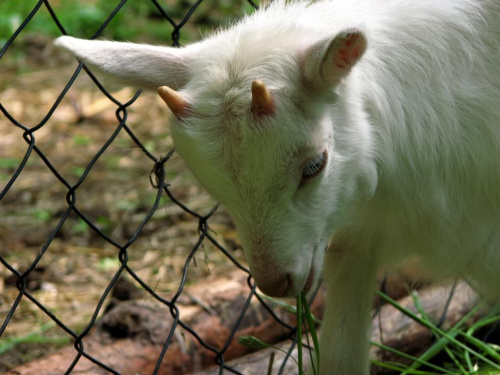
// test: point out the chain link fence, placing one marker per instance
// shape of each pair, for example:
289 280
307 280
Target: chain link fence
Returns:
158 180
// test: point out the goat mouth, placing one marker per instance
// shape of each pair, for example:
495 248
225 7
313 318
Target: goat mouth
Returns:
309 281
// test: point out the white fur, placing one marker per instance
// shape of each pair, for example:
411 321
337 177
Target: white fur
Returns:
412 132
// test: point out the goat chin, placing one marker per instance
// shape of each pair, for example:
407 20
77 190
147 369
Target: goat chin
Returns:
370 126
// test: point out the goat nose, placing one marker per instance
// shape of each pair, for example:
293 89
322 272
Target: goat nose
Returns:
275 288
274 284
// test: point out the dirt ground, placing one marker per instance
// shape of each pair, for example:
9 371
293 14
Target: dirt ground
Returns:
116 195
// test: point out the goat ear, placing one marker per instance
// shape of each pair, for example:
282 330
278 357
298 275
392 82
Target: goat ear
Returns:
326 63
134 64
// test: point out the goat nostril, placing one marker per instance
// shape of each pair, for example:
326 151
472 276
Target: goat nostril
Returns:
289 284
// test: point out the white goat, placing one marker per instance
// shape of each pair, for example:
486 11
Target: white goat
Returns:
367 128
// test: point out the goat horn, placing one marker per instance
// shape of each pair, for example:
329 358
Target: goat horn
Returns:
175 101
262 101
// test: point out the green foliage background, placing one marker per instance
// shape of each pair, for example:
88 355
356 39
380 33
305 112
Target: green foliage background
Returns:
139 20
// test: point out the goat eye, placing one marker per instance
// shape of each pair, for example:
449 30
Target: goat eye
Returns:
314 166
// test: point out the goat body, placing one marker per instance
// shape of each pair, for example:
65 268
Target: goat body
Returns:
367 128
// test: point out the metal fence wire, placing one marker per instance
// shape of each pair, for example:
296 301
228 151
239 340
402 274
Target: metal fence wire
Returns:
158 180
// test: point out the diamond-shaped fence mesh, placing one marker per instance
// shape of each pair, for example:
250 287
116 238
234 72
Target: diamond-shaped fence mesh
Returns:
75 191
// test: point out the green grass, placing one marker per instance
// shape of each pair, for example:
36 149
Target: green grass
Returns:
466 354
9 163
36 337
305 323
306 319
